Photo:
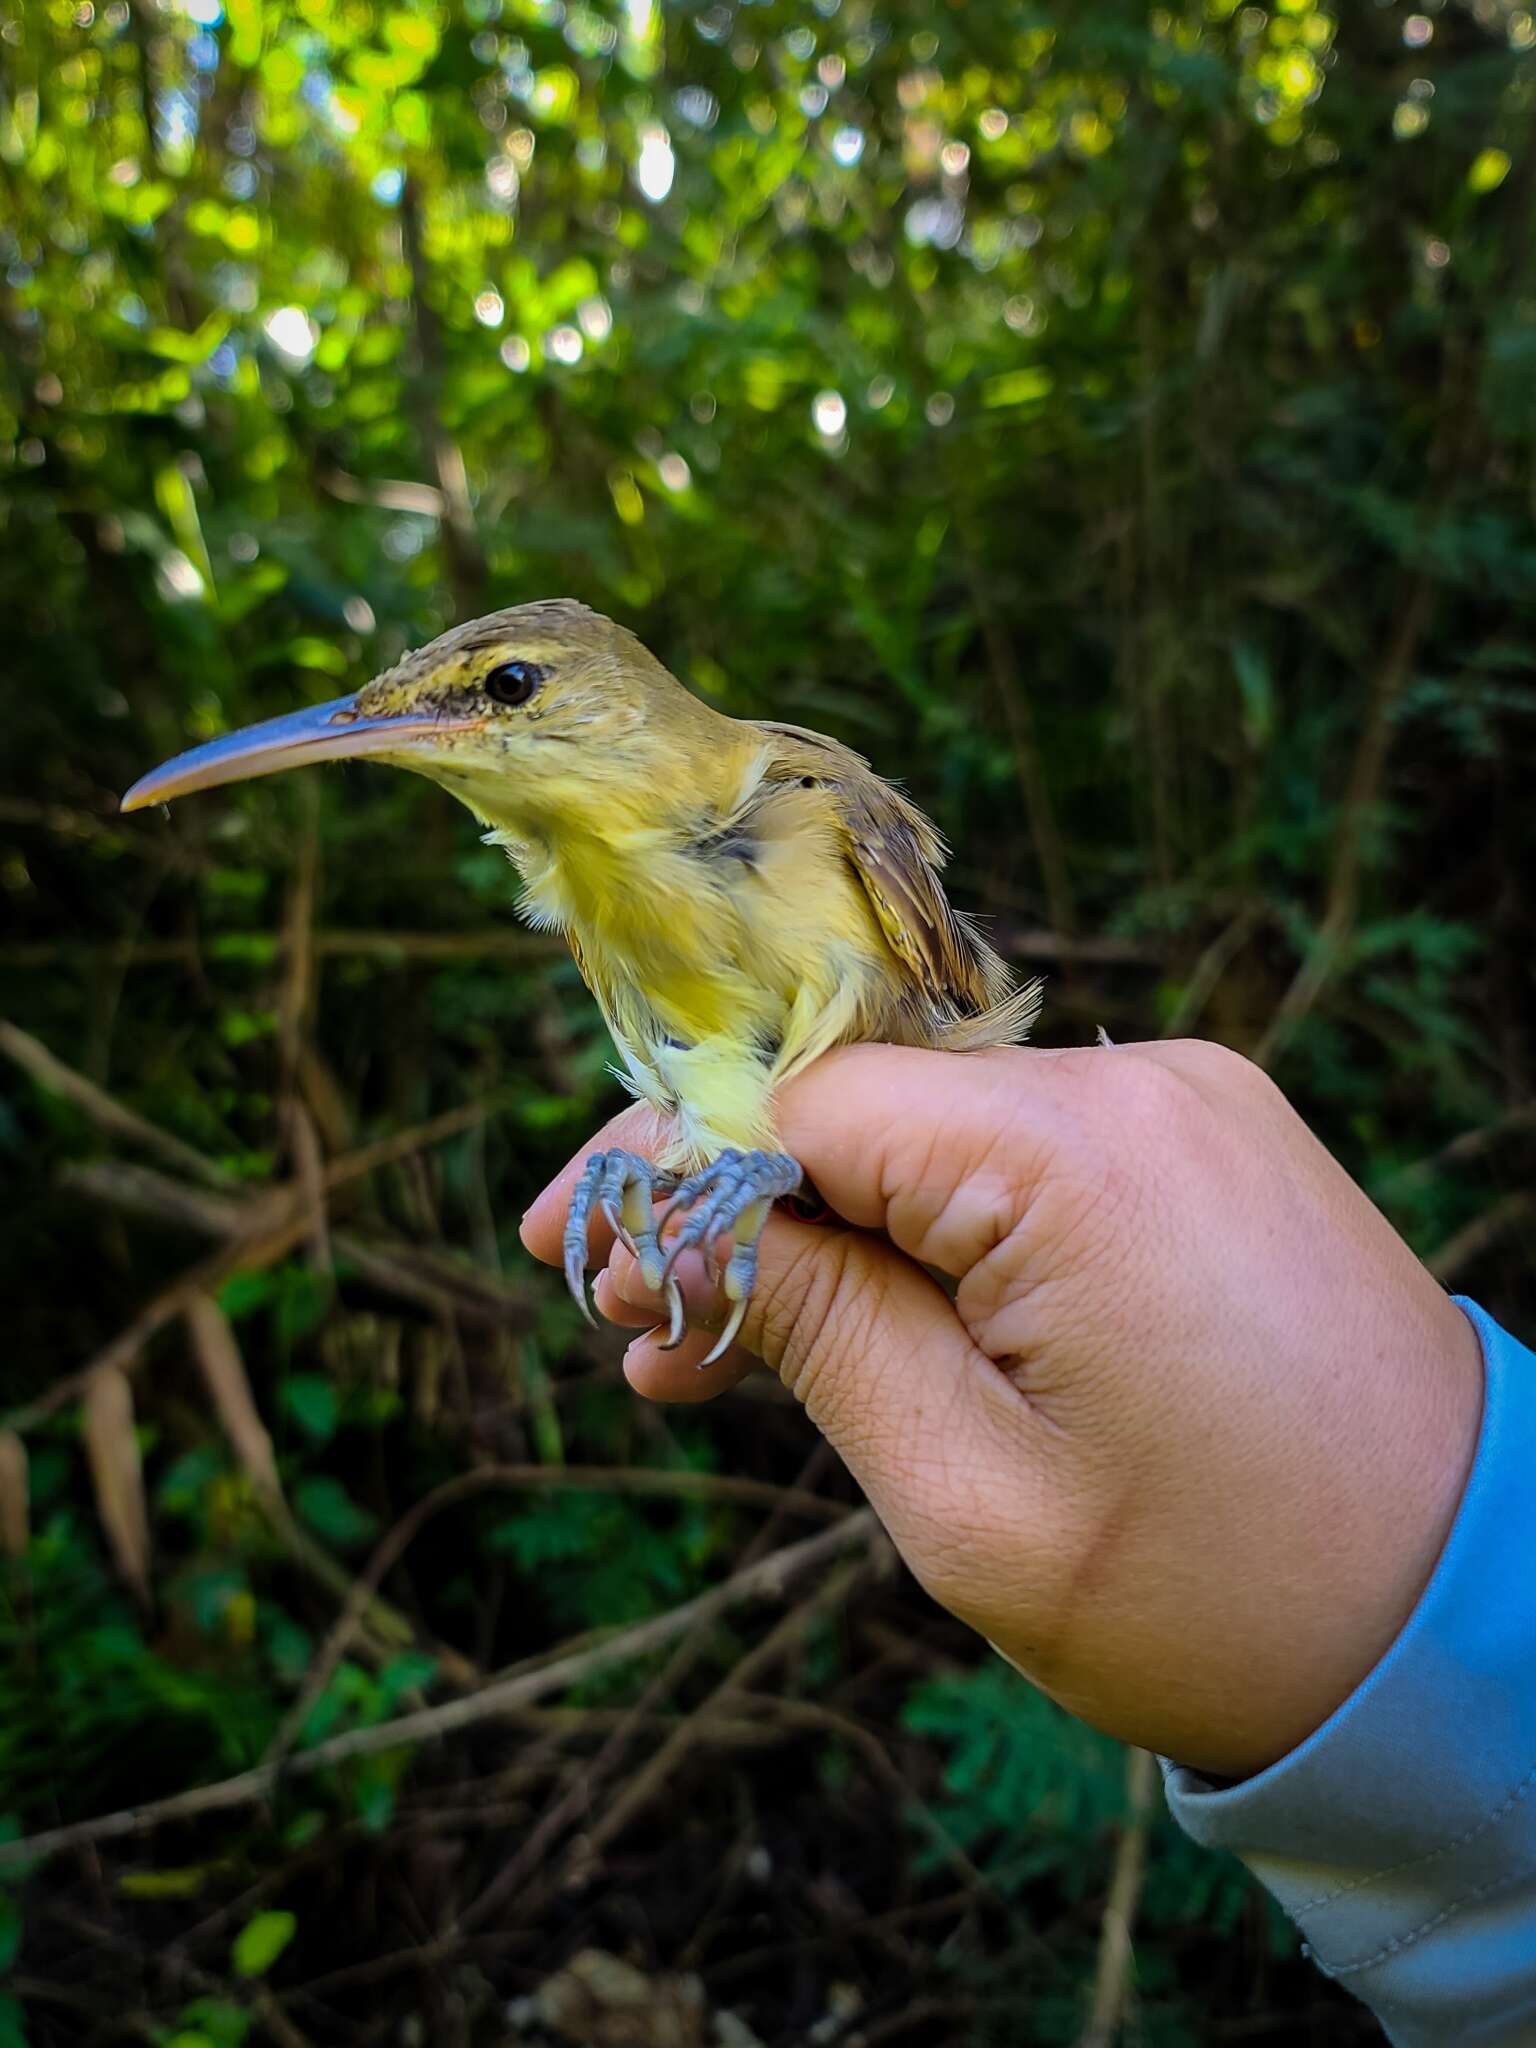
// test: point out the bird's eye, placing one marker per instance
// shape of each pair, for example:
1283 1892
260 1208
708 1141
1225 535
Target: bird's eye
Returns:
513 682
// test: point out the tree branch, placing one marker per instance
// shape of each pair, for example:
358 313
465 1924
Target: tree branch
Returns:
765 1580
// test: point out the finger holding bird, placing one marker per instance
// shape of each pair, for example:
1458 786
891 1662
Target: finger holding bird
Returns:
620 1291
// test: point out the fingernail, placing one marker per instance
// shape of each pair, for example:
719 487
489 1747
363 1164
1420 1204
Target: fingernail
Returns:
628 1281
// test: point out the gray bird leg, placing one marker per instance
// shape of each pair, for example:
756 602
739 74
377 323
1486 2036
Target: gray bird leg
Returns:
732 1196
622 1187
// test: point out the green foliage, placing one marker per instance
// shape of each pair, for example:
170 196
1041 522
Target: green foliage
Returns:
596 1559
313 1404
209 2023
332 1513
1038 1801
1025 1786
355 1698
76 1671
260 1942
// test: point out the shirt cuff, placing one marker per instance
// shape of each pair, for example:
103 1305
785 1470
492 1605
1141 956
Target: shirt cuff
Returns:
1401 1835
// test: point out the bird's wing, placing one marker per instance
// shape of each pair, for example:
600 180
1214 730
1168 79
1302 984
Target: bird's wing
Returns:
897 855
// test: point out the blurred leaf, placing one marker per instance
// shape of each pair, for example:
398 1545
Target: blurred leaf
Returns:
302 1298
325 1504
243 1293
260 1942
312 1403
409 1672
212 2023
373 1799
185 1883
189 348
1490 167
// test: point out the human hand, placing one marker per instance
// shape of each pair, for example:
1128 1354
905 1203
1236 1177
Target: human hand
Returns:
1186 1438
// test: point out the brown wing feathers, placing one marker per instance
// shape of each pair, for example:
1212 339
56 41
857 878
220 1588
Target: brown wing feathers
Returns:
967 992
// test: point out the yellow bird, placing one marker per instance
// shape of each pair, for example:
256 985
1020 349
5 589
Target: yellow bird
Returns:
739 895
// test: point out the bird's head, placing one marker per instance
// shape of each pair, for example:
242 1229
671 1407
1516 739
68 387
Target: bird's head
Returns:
533 717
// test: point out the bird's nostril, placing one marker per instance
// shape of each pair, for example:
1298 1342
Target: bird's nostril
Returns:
342 718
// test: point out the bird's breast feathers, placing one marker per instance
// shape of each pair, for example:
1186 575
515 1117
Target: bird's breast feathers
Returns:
730 947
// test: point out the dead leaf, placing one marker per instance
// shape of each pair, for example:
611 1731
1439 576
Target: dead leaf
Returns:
14 1532
224 1370
117 1474
600 2001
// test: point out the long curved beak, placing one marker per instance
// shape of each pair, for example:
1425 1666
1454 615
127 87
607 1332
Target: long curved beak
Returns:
336 731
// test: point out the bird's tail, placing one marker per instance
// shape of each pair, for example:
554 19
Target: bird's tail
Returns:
1006 1022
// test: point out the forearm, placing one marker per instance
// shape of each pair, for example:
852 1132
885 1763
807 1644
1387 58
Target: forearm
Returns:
1401 1836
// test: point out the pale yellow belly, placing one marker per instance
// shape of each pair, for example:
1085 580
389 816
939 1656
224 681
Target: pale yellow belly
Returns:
711 1018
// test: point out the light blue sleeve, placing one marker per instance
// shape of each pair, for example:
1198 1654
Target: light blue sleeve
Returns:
1401 1836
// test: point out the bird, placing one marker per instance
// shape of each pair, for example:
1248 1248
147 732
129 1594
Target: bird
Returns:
739 895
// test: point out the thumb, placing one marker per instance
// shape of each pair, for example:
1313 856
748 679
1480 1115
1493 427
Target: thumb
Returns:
949 1451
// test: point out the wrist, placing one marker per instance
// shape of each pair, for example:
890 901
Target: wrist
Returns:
1407 1468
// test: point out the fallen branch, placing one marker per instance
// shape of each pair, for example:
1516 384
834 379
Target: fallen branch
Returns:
248 1254
505 1897
1481 1235
791 1713
1205 976
764 1580
1112 1976
218 1355
1462 1150
526 1478
432 1279
263 1228
104 1110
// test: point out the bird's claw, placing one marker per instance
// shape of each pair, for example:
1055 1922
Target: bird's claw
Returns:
732 1196
622 1187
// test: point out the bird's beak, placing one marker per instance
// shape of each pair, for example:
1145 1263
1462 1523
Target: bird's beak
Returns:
336 731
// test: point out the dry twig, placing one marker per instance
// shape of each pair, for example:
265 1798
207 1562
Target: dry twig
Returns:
1112 1976
764 1580
103 1109
505 1888
536 1478
1482 1234
431 1278
1462 1150
15 1496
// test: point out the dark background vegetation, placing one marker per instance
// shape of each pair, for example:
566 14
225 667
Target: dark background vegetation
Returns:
1118 422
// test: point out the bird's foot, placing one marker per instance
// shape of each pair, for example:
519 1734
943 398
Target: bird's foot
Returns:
731 1196
622 1187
